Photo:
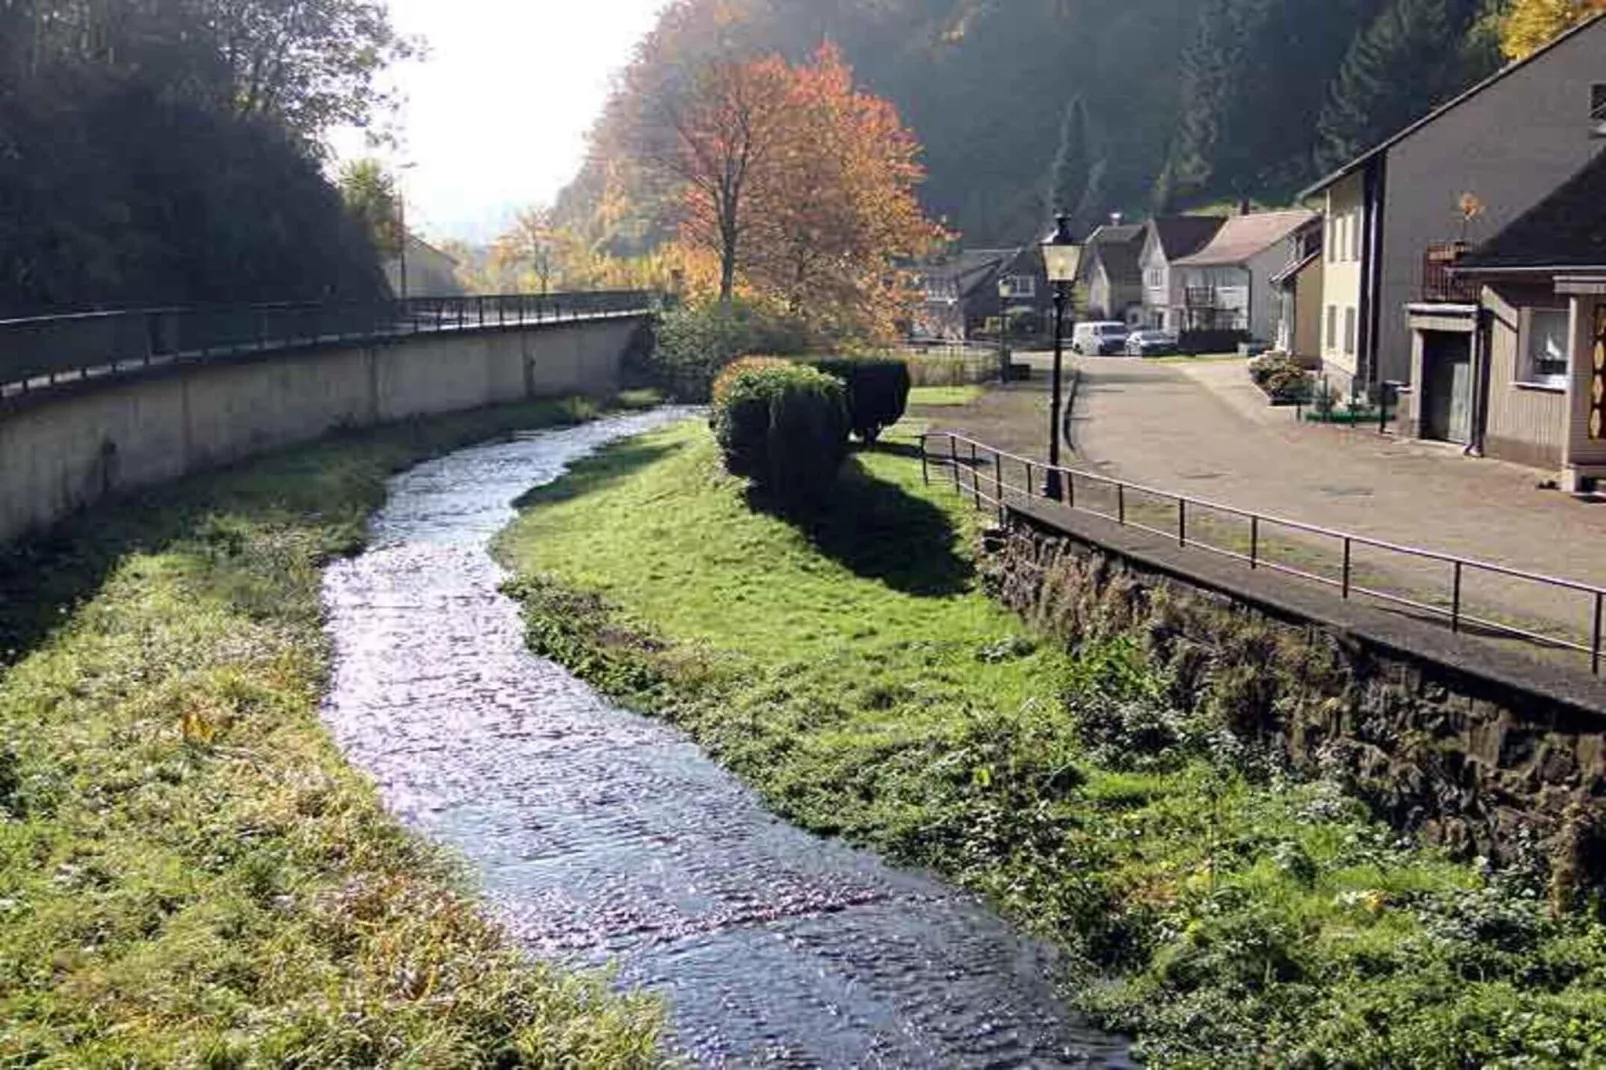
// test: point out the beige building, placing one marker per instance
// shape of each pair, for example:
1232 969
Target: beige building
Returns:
1300 311
424 271
1398 215
1533 343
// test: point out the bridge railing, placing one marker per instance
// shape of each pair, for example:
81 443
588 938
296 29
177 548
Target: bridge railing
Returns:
45 351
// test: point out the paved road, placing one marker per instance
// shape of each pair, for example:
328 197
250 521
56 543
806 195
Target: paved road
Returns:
1202 429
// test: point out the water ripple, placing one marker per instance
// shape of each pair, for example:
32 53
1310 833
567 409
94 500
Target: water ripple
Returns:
603 837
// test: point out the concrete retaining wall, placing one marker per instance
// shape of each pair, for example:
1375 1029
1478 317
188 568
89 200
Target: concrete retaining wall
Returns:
63 451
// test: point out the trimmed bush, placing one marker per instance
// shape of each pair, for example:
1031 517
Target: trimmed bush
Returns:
877 391
782 425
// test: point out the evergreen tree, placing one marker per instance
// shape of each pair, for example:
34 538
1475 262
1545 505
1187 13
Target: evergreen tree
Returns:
1076 176
1410 59
1207 71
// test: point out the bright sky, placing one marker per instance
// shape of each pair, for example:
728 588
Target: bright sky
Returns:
496 117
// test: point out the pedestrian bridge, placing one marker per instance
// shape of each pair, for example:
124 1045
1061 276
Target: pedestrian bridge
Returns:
105 403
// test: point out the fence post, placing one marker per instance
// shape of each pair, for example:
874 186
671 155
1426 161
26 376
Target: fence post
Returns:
925 470
1254 543
1029 476
953 459
1348 552
975 476
1182 522
998 483
1594 646
1455 601
1120 503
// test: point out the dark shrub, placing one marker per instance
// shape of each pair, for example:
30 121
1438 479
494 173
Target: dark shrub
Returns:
877 389
784 426
1220 340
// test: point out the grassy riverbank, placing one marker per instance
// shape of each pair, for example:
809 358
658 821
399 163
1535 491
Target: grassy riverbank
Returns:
848 667
190 874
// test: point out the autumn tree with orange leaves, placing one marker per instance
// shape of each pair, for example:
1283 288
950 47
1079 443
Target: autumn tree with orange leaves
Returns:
801 188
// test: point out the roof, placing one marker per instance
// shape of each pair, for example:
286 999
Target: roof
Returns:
1182 235
973 268
1293 269
1119 248
1246 236
1565 230
1455 102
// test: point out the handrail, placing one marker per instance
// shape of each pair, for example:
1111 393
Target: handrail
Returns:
40 352
1255 558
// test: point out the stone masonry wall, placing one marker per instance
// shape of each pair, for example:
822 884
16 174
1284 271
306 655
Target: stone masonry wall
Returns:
1467 763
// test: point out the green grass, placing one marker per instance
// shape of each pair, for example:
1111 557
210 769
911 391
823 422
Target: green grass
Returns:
944 396
849 667
190 874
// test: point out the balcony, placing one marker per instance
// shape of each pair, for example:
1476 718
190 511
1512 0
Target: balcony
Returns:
1439 286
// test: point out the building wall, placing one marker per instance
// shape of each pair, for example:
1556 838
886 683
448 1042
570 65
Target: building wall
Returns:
61 453
1341 274
1510 146
430 272
1525 424
1308 311
1160 285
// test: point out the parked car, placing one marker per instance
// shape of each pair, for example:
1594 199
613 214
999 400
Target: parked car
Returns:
1150 344
1099 338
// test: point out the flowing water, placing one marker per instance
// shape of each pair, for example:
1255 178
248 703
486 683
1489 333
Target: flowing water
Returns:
603 837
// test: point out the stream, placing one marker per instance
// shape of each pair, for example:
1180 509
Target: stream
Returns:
603 838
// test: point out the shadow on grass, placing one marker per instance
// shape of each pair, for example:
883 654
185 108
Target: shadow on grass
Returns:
326 489
879 531
599 471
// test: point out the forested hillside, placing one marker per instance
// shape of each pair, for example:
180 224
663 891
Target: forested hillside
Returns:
156 152
1128 105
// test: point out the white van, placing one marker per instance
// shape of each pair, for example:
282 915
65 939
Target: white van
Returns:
1100 338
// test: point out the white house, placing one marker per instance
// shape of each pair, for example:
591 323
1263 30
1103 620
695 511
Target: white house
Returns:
1227 284
1166 240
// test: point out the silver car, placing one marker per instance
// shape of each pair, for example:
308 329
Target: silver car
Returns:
1150 344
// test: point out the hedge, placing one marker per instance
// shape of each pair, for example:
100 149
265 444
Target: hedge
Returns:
784 426
877 391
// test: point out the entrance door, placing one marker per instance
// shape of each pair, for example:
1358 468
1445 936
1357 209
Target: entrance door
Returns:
1447 386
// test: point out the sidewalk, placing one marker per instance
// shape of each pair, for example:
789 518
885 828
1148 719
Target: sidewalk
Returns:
1201 429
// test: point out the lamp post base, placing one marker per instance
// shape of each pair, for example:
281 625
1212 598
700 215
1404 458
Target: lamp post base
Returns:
1054 486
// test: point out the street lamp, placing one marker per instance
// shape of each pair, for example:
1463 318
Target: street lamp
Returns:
1062 257
1004 294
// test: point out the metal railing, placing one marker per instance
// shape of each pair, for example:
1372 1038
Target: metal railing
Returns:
45 351
1440 283
986 473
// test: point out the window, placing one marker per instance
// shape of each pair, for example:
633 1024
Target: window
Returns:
1355 236
1332 326
1547 347
1349 332
1597 110
1018 286
1154 279
1331 240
